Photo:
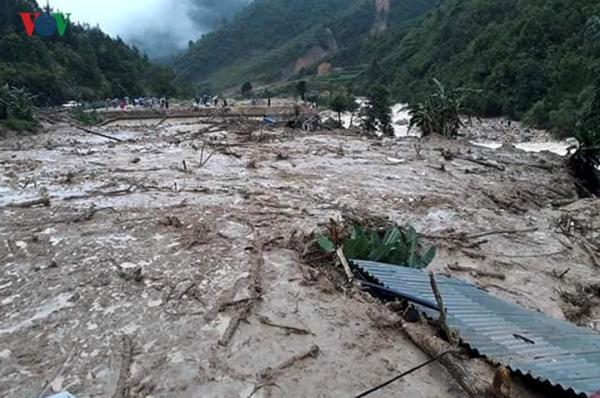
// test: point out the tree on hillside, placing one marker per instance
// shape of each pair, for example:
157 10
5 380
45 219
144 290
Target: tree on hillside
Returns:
584 162
377 114
84 64
341 103
246 89
301 88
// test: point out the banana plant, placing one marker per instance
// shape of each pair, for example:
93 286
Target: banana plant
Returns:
397 246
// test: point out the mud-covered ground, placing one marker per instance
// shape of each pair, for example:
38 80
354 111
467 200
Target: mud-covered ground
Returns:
129 282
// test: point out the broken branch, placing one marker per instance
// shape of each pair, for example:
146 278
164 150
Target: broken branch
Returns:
270 372
31 203
99 134
344 261
480 162
501 232
122 390
289 329
443 321
476 272
241 315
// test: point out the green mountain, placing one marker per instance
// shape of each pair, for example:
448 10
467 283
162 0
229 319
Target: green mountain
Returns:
532 59
274 40
84 64
536 60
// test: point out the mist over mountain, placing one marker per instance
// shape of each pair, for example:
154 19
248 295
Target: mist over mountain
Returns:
159 28
167 27
84 64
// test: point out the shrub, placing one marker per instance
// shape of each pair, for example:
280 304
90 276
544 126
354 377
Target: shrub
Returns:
246 89
17 109
396 246
17 103
86 118
440 112
537 116
564 119
19 124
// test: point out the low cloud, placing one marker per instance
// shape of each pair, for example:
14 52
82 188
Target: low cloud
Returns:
172 26
159 28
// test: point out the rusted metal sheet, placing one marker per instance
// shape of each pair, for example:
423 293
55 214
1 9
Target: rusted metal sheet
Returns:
527 342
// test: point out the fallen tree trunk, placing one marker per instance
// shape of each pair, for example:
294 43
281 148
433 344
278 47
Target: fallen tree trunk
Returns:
433 346
99 134
31 203
480 162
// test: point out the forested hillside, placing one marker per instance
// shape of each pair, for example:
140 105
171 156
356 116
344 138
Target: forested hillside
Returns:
532 59
84 64
536 60
276 39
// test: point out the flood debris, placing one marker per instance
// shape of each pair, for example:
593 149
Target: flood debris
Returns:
123 388
471 307
108 137
171 221
288 329
255 288
201 252
449 334
581 303
478 273
45 201
270 373
408 372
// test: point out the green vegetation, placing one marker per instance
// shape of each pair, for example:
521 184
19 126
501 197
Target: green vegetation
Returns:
301 88
86 118
17 110
531 59
440 112
377 113
534 60
395 246
246 89
263 42
85 64
584 163
342 102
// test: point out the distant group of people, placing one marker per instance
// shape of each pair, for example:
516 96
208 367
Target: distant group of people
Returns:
201 100
206 101
138 102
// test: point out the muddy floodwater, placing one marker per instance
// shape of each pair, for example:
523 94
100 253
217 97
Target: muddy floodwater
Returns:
131 277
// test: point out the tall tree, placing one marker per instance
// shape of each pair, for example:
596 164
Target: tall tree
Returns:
377 113
246 89
301 89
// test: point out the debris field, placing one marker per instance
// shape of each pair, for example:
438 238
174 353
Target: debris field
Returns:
161 261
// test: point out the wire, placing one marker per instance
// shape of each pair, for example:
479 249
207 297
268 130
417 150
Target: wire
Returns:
387 383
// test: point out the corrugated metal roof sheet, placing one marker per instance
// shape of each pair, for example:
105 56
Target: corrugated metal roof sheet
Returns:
526 341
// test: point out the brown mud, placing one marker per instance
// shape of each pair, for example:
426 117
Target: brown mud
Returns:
161 263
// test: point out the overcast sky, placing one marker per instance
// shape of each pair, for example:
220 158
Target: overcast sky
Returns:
159 27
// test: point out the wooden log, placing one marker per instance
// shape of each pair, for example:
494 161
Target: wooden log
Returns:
99 134
31 203
433 346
